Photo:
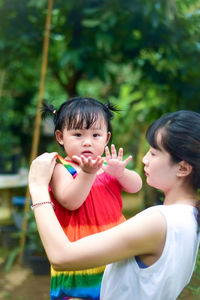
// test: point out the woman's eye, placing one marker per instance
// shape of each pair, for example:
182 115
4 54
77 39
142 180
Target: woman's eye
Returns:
152 153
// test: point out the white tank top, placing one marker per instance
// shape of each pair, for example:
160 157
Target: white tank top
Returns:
166 278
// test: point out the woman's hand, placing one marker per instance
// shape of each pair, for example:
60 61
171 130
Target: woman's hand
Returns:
115 166
41 170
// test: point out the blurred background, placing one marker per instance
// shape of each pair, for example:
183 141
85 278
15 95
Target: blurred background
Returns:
142 55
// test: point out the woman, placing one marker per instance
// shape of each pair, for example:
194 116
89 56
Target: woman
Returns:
152 255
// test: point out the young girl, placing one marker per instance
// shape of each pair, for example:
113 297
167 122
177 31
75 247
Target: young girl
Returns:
86 196
152 255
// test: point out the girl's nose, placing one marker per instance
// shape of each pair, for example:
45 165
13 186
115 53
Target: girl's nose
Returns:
87 142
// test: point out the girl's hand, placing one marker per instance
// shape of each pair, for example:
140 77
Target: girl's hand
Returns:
115 166
89 165
41 170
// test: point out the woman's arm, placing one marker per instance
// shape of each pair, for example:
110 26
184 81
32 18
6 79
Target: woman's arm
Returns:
142 234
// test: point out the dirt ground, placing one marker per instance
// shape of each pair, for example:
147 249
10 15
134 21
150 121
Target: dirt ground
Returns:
20 284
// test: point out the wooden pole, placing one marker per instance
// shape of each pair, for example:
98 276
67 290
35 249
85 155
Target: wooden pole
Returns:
36 134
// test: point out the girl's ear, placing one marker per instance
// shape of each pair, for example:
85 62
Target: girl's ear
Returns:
108 137
184 169
59 137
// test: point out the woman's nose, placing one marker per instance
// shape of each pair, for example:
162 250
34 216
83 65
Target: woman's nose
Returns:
145 159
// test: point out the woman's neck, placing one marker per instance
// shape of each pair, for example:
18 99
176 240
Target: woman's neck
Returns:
181 196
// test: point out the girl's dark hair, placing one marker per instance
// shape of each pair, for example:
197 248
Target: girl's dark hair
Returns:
180 137
79 113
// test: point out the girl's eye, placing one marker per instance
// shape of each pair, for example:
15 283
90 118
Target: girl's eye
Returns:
77 134
95 135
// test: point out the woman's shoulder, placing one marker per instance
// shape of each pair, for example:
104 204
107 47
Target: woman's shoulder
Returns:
180 216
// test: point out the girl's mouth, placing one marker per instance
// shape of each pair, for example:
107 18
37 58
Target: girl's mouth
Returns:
86 153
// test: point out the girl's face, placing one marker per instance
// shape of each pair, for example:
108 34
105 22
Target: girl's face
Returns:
88 142
161 173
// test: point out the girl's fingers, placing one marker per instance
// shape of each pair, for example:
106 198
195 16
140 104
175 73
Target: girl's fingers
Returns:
120 154
100 161
88 161
96 162
76 159
113 151
127 160
107 152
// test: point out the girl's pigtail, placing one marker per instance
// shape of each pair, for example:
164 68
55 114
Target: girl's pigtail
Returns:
110 109
48 109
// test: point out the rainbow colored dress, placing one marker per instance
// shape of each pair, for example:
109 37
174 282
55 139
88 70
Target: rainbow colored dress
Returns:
101 210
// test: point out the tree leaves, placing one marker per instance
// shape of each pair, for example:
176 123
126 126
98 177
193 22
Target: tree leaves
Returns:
142 55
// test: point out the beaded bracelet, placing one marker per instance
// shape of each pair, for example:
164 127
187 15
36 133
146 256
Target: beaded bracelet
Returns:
41 203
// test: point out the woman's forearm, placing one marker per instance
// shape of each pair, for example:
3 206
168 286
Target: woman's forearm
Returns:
63 254
52 236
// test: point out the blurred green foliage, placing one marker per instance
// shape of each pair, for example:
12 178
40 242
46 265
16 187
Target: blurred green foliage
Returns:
144 56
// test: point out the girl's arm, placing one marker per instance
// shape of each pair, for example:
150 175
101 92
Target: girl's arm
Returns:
130 181
142 234
71 193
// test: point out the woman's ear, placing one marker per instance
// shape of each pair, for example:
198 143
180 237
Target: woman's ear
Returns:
184 169
59 137
108 137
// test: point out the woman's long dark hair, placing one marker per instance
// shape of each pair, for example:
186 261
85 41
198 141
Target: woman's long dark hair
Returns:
180 137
